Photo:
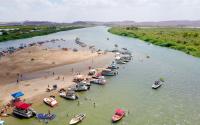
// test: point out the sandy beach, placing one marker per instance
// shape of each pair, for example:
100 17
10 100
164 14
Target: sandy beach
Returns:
38 74
37 58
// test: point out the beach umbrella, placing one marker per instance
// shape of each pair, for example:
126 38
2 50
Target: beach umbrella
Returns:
17 94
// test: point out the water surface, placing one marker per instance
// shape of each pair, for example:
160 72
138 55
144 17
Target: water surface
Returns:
177 102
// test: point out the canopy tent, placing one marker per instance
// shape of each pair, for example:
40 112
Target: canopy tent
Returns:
22 105
119 112
17 94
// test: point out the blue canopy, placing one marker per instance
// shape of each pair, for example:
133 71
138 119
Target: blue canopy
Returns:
17 94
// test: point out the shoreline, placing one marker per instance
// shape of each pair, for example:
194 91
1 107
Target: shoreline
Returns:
164 37
45 30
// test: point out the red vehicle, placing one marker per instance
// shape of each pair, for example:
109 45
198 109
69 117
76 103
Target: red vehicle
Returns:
119 114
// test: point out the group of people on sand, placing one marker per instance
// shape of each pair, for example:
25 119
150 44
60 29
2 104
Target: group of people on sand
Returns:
4 109
19 77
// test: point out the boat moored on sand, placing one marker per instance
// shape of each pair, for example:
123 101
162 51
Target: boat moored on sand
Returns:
100 80
70 95
23 110
50 101
109 72
120 61
81 87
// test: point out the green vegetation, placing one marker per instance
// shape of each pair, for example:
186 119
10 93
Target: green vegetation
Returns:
19 32
183 39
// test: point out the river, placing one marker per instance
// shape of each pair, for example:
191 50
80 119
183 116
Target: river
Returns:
177 102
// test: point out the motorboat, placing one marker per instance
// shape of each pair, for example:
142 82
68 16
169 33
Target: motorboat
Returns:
77 41
97 76
113 66
120 61
119 114
126 52
50 101
70 94
78 118
23 110
109 72
100 80
126 58
156 84
87 83
81 87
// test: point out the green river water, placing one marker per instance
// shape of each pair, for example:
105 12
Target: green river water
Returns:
177 102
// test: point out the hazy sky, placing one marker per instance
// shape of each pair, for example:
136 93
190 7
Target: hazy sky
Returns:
99 10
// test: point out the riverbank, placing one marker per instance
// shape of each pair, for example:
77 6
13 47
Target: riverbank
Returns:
186 40
21 32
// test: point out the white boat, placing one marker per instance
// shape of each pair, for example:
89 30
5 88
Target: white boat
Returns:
101 80
81 87
78 118
86 83
120 61
70 94
113 66
50 101
156 84
1 122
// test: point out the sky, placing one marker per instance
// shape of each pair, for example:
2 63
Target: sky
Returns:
98 10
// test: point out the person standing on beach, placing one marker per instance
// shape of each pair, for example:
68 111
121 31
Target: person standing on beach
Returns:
49 112
72 70
21 77
53 73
